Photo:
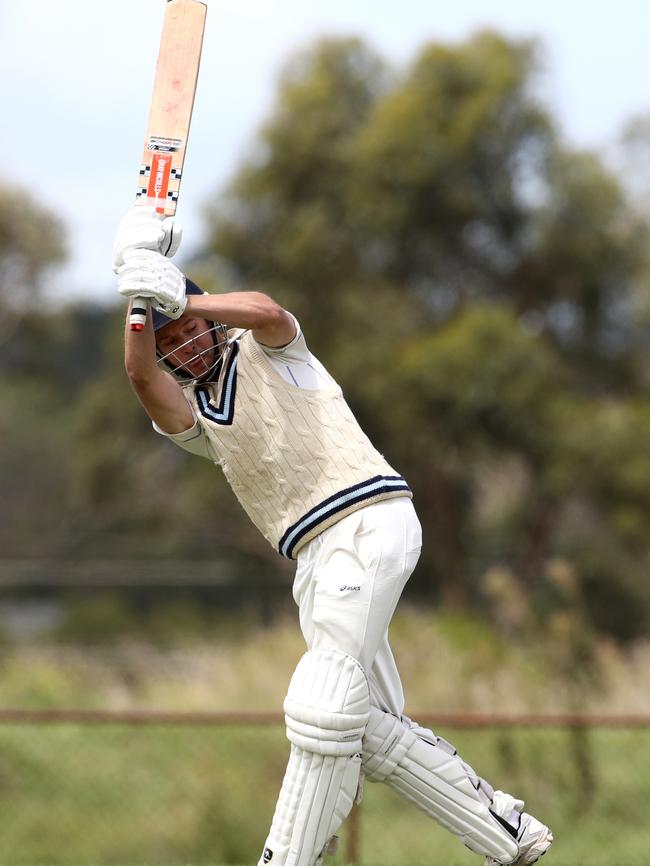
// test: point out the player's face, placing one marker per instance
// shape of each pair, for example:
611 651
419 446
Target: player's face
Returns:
188 345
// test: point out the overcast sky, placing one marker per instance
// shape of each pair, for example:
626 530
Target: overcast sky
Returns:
77 76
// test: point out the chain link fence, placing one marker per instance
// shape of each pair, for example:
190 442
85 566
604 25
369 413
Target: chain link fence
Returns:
112 789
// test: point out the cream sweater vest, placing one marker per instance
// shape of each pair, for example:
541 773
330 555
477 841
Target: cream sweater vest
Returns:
296 459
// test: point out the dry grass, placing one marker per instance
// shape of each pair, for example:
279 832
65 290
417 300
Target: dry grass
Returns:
447 664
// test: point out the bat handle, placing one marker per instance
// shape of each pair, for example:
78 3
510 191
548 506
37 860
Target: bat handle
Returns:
138 314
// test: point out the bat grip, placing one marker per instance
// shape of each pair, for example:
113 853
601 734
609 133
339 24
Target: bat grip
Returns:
138 314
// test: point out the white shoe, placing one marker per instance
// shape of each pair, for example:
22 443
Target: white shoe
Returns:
534 840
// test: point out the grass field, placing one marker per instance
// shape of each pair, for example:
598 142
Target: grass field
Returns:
108 794
112 795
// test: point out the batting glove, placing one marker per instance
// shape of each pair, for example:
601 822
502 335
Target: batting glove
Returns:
149 275
144 229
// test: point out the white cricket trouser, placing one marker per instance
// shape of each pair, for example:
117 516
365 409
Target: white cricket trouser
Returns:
348 582
347 585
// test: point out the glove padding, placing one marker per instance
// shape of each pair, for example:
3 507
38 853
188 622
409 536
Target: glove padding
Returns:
142 228
149 275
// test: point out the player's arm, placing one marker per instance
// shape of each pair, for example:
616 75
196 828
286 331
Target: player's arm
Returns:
160 394
271 325
147 274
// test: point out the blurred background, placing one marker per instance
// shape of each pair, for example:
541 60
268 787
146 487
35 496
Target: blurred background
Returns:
456 206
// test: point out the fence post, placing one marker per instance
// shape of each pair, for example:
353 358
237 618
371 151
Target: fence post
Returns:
584 767
353 835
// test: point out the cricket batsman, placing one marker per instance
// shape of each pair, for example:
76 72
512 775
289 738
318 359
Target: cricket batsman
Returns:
229 377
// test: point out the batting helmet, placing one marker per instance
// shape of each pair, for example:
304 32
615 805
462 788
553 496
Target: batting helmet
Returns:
211 356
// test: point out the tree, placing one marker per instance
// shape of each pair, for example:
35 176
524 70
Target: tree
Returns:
466 276
31 242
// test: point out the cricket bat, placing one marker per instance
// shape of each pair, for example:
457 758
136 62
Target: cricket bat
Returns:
170 114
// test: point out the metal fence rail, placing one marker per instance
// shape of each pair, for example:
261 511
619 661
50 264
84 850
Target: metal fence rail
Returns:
119 788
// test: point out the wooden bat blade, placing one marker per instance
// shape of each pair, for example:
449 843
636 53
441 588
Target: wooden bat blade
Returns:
177 72
171 104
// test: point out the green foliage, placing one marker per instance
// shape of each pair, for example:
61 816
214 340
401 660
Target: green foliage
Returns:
486 380
440 164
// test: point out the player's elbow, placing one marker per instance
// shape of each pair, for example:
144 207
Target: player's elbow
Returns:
139 377
275 326
270 313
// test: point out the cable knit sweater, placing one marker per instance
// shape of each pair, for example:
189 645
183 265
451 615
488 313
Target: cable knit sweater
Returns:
296 459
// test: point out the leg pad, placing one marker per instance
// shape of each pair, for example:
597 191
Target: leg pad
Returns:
326 712
428 771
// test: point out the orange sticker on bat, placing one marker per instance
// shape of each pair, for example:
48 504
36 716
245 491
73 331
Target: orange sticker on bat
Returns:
161 166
